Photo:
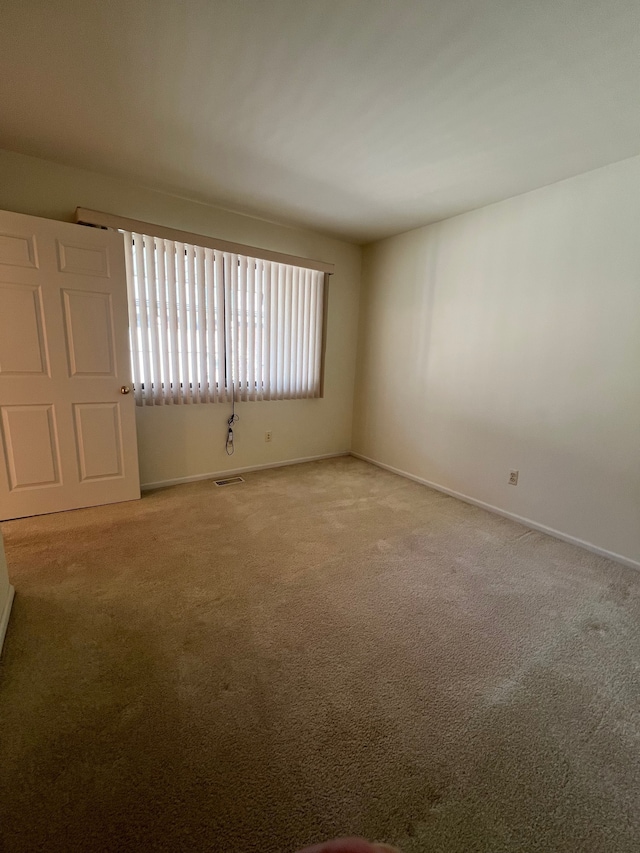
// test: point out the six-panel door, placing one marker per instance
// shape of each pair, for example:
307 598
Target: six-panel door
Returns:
67 432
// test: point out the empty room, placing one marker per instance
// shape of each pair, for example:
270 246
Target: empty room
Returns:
320 426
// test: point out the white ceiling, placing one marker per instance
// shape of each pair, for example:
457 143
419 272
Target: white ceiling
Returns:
360 118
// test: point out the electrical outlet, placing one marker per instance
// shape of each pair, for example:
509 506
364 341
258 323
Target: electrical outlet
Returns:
513 478
268 435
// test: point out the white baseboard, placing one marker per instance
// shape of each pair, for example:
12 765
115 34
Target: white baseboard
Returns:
4 618
234 472
550 531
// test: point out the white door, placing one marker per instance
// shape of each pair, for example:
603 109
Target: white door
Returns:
68 432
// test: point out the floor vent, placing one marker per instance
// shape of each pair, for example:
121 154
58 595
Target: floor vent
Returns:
230 481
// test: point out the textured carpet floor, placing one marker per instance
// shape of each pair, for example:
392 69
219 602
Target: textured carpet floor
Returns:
325 649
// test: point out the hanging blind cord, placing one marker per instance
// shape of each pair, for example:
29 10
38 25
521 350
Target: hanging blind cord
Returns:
232 420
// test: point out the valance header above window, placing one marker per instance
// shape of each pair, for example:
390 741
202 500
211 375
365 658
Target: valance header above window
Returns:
85 216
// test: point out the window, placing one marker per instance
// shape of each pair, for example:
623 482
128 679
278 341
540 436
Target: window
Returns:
207 324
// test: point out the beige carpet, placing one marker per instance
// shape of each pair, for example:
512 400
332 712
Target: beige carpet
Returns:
325 649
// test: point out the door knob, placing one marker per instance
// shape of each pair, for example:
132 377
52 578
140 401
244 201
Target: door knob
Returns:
125 389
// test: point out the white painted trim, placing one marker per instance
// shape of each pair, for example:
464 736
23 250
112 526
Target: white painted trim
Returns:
233 472
550 531
4 619
84 216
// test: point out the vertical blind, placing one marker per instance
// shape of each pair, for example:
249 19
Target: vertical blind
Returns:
206 324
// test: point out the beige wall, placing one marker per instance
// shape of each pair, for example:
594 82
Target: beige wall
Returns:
188 441
509 337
